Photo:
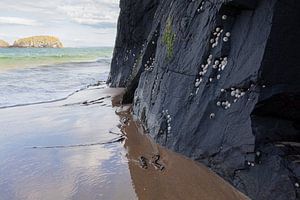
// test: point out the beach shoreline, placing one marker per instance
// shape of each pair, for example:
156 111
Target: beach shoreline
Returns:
41 132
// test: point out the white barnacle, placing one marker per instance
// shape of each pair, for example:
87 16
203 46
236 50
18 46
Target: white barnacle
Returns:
197 84
212 115
297 185
210 56
169 128
224 62
224 17
235 100
218 103
212 40
222 90
218 76
225 39
243 93
217 62
169 116
228 34
252 164
210 79
218 29
232 93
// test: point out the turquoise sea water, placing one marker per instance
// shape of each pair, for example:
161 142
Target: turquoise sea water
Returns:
30 76
29 57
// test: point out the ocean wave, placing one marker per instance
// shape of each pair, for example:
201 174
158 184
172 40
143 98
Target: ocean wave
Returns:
49 83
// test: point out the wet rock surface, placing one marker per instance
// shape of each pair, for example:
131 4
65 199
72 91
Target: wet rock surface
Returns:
218 81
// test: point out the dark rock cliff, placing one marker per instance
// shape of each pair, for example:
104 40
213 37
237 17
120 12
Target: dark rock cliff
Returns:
218 81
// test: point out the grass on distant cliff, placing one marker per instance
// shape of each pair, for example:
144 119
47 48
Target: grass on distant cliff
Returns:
169 38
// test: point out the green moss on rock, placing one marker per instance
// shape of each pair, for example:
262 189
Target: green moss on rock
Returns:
169 38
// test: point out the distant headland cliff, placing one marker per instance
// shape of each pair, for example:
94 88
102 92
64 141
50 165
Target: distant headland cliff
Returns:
39 42
35 42
3 44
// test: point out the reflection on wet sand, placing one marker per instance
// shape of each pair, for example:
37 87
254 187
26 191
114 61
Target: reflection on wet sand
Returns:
51 151
178 178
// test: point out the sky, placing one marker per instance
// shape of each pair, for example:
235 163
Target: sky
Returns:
77 23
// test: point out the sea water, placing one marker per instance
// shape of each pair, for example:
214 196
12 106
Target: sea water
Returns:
33 75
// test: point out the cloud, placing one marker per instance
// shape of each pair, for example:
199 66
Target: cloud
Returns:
92 12
18 21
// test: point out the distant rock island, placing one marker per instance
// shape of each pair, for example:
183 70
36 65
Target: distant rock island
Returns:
3 44
38 42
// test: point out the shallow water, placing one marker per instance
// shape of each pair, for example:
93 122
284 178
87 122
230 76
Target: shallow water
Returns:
47 83
29 57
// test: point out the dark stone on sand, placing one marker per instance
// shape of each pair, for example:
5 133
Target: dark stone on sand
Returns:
252 140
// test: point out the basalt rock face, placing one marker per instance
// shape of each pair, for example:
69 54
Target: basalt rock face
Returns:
218 81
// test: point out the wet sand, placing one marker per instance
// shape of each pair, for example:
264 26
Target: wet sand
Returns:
85 148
